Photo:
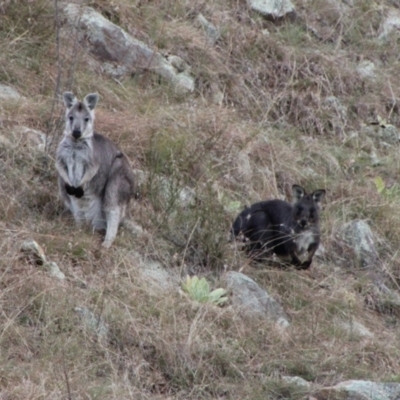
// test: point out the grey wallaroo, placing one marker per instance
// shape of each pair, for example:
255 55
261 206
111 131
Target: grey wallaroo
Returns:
95 179
291 231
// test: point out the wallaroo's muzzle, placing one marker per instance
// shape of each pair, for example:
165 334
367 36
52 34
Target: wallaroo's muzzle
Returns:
76 133
303 223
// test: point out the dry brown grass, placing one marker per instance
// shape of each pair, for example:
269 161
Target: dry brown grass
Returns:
273 129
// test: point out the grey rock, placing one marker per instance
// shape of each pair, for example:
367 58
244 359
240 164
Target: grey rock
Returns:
386 134
332 102
110 44
211 31
366 69
36 139
297 381
389 134
152 275
342 4
217 96
359 240
253 301
360 390
155 274
93 323
36 254
272 8
8 93
389 24
337 112
5 142
54 270
355 329
244 170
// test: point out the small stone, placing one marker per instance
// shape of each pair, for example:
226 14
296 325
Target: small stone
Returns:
34 250
36 254
296 380
95 324
8 93
366 69
272 8
211 31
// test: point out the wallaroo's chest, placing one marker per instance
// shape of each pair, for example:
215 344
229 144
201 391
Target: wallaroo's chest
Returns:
75 151
304 240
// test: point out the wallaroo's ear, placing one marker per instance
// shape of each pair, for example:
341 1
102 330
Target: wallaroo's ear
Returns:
91 100
69 99
297 193
318 195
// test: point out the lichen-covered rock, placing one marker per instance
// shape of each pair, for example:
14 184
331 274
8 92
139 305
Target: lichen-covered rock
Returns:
384 135
211 31
253 301
366 69
112 45
355 329
358 240
390 24
93 323
272 8
36 255
8 93
360 390
297 381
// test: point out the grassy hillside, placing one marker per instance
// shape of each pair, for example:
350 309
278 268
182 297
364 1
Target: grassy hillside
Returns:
276 103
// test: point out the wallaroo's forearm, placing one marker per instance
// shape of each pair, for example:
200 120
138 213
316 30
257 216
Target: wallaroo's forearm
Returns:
63 173
88 175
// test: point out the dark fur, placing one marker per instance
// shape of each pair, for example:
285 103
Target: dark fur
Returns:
289 231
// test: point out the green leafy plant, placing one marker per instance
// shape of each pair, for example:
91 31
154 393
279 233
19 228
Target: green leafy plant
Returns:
199 290
383 190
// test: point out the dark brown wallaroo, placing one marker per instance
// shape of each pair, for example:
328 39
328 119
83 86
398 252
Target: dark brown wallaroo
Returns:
291 231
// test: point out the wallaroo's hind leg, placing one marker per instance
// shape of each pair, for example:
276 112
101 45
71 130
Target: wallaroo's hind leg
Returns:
113 218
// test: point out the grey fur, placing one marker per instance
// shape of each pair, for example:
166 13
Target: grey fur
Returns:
95 179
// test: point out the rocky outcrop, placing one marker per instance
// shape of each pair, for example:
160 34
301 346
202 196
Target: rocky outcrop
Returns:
355 329
273 8
360 390
18 136
253 301
120 53
358 240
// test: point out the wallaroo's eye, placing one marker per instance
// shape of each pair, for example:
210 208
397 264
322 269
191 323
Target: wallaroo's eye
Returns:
71 118
86 119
